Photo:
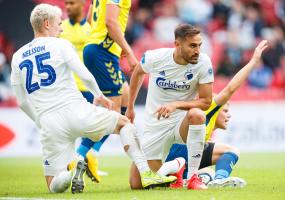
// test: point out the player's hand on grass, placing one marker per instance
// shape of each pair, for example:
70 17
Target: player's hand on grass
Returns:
130 113
165 110
258 51
104 101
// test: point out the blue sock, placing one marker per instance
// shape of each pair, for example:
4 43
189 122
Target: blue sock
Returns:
123 110
85 146
97 145
225 164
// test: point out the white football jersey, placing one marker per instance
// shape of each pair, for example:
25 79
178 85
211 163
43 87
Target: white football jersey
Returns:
169 82
40 67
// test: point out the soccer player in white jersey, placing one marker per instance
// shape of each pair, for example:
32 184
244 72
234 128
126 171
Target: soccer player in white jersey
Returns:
172 114
45 89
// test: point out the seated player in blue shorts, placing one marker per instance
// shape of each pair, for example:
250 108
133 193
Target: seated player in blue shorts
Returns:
222 155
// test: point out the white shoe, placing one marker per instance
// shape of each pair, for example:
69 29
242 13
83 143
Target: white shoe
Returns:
231 182
77 183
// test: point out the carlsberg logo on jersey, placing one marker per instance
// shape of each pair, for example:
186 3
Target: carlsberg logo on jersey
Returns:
169 85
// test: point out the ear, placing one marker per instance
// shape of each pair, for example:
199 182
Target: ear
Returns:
46 24
177 43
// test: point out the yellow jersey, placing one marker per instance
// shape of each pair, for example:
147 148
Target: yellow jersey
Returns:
99 32
211 117
77 34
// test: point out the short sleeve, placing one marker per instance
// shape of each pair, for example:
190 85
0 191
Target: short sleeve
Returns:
207 74
147 62
115 2
15 73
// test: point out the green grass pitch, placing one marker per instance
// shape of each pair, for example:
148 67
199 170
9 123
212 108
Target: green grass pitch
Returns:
264 173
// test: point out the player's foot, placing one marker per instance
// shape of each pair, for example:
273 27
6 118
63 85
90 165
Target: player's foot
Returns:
195 183
179 176
151 180
77 179
232 182
92 167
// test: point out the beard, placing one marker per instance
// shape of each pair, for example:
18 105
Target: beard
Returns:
193 62
193 59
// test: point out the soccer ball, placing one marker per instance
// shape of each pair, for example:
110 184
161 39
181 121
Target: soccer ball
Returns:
207 174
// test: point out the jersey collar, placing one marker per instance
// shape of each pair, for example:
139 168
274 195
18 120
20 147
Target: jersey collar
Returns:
82 22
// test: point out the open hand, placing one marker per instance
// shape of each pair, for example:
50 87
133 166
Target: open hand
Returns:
258 51
165 110
104 101
130 113
132 61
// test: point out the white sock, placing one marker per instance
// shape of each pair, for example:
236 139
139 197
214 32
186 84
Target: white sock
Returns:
128 134
79 157
195 145
171 167
61 182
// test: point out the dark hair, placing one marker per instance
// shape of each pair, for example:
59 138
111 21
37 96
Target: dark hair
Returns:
185 30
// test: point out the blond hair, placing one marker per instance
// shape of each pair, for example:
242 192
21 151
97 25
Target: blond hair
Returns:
41 13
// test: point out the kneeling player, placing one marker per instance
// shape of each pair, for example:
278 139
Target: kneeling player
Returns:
42 80
222 155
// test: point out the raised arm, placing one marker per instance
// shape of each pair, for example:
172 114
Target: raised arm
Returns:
135 85
115 32
241 76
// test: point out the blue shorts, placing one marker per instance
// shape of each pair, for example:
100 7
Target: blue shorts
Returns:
105 68
88 96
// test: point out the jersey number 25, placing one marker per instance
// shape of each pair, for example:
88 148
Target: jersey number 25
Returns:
42 68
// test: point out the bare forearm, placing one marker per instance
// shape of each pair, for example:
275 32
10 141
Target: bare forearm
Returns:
240 77
135 85
117 35
224 96
203 104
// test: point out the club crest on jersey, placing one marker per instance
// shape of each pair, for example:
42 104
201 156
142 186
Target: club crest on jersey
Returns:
210 71
162 73
188 76
171 85
143 59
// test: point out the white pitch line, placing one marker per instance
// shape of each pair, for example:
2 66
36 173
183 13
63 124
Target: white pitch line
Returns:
27 198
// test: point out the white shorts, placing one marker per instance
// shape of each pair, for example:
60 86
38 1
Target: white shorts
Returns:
59 130
157 141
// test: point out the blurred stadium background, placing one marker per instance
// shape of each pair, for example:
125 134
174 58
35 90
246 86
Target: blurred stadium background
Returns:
231 29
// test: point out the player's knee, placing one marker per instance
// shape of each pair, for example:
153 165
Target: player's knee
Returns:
231 149
196 116
58 186
123 120
135 179
234 150
48 180
135 184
